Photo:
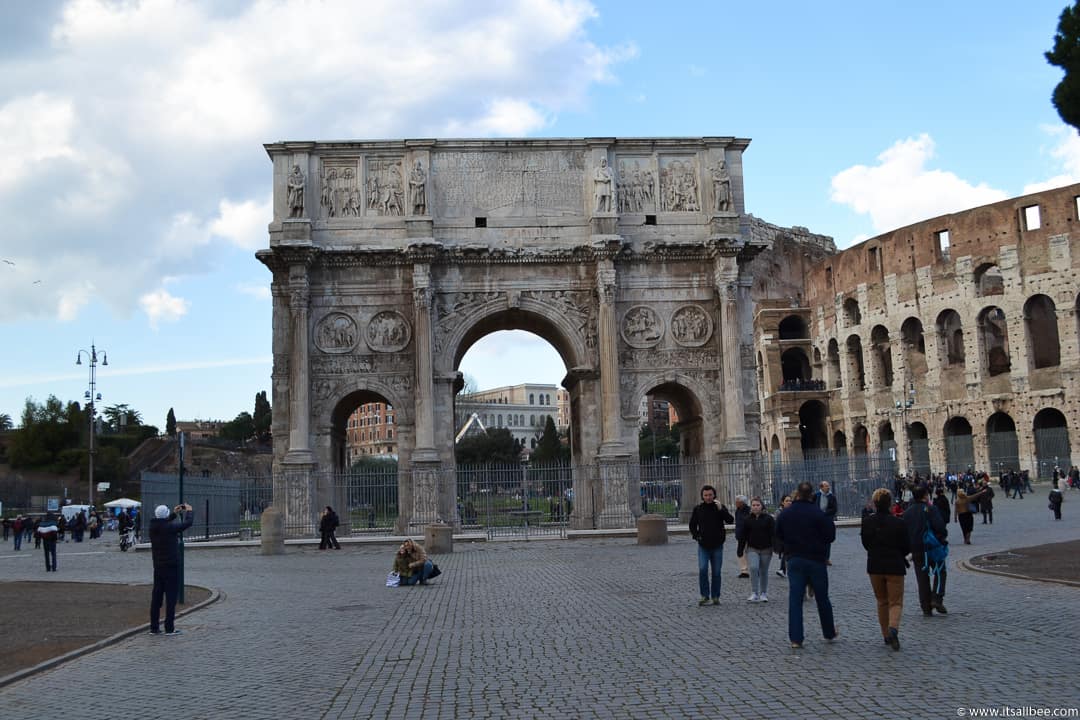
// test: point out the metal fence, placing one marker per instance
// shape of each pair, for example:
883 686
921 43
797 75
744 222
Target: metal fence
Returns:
508 501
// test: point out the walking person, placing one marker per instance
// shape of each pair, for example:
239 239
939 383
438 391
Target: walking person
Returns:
328 525
742 510
806 532
1056 498
165 531
920 516
48 531
885 538
986 501
707 528
19 530
964 516
942 504
757 534
827 502
778 545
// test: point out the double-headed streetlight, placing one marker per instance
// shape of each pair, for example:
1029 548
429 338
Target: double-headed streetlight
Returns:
92 397
902 406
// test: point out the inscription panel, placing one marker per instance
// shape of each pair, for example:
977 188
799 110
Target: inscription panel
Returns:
508 184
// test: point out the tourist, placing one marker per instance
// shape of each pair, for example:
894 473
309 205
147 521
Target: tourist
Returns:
6 522
917 518
19 526
412 565
47 531
806 532
942 504
707 528
827 502
328 525
1056 498
742 510
885 538
964 516
986 501
165 530
757 535
778 546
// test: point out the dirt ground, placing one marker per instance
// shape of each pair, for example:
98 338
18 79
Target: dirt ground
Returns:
1057 561
42 620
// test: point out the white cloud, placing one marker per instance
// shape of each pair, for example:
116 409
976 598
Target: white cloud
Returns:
901 189
259 292
132 144
1066 155
243 223
161 306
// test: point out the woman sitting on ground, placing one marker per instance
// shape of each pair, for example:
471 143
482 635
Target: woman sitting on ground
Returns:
411 564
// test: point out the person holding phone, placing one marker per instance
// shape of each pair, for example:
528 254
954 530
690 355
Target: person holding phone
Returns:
165 530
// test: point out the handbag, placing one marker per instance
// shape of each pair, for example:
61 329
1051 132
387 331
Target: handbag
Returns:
393 580
435 571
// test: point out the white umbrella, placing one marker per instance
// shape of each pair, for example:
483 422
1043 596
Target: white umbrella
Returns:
125 503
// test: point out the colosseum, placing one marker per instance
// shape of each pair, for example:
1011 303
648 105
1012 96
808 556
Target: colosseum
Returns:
946 344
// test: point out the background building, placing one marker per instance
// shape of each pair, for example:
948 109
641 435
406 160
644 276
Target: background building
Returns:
949 343
370 431
521 409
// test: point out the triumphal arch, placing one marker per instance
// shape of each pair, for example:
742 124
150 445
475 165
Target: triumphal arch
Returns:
391 258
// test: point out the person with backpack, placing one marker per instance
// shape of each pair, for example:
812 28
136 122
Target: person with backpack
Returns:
928 540
885 538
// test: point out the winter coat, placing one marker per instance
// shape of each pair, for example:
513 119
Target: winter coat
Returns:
758 531
916 517
707 524
164 538
885 538
805 531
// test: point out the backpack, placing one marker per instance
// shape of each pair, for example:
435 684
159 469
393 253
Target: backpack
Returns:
934 551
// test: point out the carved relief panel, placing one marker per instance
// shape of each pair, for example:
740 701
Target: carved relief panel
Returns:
691 326
388 331
384 186
336 332
680 189
636 184
642 327
339 189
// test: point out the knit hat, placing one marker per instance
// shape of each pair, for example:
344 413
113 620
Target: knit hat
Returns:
161 512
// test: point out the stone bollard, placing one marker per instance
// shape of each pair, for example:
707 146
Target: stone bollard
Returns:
651 530
273 531
438 539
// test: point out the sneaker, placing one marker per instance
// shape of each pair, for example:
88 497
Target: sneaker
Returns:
939 605
175 632
781 573
753 597
716 601
763 597
154 632
703 601
835 637
796 646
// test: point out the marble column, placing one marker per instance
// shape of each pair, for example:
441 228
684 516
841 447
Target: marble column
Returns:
299 452
727 286
610 441
425 458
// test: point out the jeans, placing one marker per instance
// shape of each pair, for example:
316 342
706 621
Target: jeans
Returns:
800 573
418 577
705 558
759 570
50 554
167 584
18 540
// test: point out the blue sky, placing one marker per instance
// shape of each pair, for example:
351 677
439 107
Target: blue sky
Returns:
136 188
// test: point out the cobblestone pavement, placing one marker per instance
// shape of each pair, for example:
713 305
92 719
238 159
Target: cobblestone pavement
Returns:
567 629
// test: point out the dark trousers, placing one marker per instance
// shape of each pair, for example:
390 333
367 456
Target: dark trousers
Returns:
167 585
18 539
803 572
329 541
922 580
50 554
988 513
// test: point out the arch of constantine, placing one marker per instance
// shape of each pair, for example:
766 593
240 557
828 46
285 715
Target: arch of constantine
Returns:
390 259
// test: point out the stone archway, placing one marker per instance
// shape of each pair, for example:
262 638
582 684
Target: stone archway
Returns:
442 242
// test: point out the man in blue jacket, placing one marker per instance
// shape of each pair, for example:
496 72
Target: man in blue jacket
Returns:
806 532
165 531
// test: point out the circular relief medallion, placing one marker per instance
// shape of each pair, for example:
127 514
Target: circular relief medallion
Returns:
691 326
642 327
388 331
336 333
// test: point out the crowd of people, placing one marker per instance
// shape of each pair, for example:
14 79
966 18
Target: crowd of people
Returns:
902 529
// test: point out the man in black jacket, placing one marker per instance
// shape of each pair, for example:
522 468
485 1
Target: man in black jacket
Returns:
707 527
916 518
807 532
165 531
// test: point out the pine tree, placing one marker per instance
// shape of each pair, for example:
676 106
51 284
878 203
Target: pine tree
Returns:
170 424
1066 55
262 417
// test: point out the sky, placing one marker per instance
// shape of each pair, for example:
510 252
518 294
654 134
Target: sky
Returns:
136 188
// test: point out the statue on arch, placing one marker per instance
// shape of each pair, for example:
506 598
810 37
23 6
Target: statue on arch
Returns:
296 192
602 182
721 182
418 189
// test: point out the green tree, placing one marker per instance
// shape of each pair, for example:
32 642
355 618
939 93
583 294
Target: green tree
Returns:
549 449
240 429
50 436
170 424
495 446
665 442
262 417
5 422
1066 55
121 416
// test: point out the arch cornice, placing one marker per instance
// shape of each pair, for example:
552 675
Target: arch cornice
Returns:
399 397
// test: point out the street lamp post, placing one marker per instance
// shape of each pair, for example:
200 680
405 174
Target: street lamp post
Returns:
903 406
92 397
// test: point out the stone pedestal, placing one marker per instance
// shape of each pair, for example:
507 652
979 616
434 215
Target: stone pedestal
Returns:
652 530
438 539
273 532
